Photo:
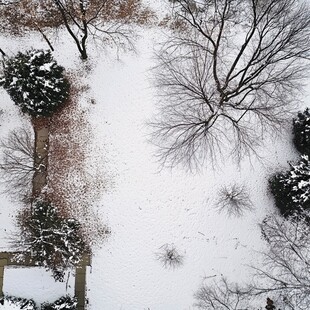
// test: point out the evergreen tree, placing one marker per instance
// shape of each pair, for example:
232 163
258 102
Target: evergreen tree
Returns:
12 302
35 82
51 240
301 132
291 189
63 303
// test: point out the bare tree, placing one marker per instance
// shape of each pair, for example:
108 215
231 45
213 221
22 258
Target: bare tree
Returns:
223 295
286 265
101 20
20 16
229 73
234 200
284 273
169 256
17 163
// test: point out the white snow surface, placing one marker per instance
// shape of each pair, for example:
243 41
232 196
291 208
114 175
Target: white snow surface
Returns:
36 283
146 207
149 208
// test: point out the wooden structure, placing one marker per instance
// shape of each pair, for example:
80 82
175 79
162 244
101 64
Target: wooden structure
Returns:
41 132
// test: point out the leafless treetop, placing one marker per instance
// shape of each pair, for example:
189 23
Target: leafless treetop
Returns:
230 72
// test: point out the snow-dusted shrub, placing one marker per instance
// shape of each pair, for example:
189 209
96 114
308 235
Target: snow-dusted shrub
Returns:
15 303
301 132
169 256
234 200
50 239
35 82
63 303
291 189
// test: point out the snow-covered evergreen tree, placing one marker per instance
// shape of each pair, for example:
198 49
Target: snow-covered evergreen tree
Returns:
291 189
35 82
51 241
301 132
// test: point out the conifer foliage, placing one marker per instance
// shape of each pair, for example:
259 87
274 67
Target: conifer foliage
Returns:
63 303
11 302
291 189
35 82
301 132
51 240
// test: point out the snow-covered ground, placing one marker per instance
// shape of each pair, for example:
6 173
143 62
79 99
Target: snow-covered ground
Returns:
147 208
36 283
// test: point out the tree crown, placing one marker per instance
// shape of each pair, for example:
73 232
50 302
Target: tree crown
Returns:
35 82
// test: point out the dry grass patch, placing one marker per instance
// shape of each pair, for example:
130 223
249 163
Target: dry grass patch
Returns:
76 179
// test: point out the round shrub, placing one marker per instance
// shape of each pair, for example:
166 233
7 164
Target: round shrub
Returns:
35 82
291 189
301 132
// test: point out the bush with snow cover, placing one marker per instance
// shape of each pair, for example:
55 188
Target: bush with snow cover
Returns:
301 132
35 82
51 240
15 303
63 303
291 189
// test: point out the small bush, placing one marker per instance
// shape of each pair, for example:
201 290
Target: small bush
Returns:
63 303
18 303
301 132
234 200
35 82
169 256
291 190
51 240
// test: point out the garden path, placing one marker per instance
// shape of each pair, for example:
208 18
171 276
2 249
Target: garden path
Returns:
41 134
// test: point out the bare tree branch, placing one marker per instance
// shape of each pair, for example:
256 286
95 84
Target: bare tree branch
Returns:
286 265
102 21
223 295
17 163
229 74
